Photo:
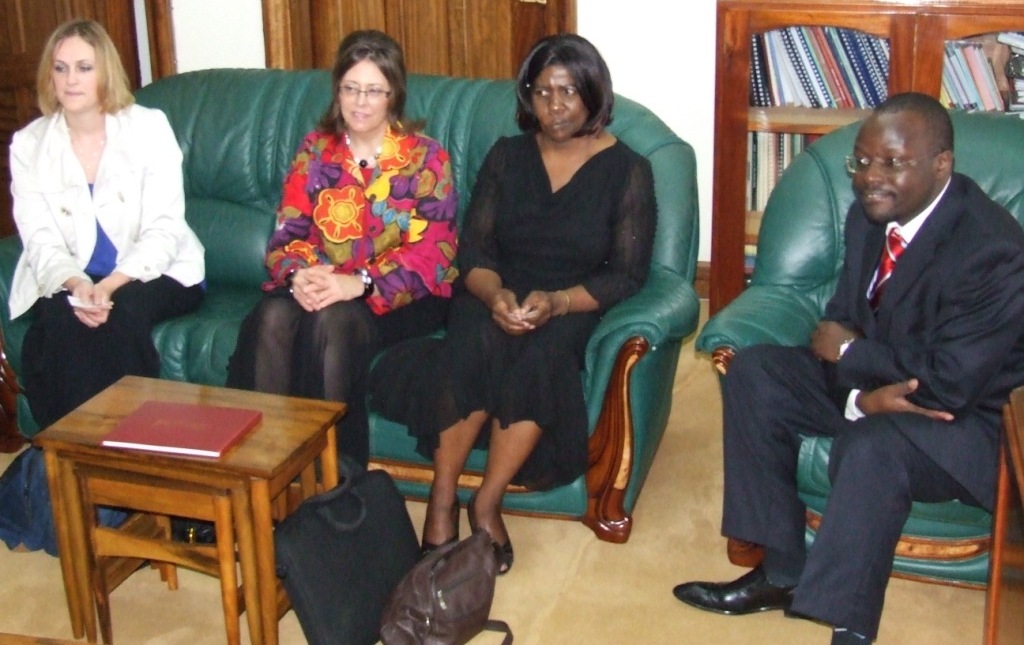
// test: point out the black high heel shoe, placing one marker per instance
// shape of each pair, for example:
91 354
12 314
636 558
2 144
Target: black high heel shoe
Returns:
427 547
503 553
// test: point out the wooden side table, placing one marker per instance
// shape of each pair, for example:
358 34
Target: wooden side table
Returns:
1004 600
254 478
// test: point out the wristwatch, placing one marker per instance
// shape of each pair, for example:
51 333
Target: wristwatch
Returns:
367 282
844 346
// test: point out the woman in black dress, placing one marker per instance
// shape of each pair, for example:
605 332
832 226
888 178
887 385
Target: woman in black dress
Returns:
559 229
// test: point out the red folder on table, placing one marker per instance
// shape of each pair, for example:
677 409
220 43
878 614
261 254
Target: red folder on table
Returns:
183 428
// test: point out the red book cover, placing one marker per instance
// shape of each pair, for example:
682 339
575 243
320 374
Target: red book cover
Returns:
182 428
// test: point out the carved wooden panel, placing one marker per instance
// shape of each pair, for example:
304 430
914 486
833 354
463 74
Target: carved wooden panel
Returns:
24 27
475 38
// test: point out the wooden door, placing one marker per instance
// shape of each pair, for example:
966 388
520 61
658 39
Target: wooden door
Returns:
475 38
24 27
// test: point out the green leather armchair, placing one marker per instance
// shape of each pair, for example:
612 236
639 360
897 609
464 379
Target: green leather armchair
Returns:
238 130
799 253
800 250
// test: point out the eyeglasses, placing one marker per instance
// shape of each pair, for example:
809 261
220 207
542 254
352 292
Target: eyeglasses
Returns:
887 165
564 93
372 94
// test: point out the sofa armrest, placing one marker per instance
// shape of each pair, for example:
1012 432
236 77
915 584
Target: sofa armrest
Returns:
666 308
621 364
771 314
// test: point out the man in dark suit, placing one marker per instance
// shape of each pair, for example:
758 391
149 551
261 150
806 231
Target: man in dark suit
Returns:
907 372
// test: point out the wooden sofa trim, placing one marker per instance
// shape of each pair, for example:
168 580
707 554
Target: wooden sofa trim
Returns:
11 439
611 450
610 455
923 548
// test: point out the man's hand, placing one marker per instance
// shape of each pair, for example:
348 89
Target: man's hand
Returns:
893 398
827 338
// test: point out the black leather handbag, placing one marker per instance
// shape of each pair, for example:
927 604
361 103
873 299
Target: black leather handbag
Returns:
340 554
446 598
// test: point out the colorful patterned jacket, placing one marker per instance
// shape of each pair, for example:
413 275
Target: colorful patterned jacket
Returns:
400 225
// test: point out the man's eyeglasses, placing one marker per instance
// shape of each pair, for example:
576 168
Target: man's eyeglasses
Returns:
372 94
887 165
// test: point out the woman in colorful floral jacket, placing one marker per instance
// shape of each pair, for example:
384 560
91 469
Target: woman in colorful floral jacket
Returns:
363 250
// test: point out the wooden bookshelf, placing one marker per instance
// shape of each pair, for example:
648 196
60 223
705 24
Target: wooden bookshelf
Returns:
916 32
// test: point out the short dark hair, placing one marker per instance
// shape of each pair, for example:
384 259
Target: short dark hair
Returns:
588 70
940 126
384 52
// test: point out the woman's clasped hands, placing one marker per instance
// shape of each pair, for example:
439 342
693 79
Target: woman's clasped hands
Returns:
91 302
319 286
516 319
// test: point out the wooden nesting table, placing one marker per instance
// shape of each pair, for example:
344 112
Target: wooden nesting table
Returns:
249 487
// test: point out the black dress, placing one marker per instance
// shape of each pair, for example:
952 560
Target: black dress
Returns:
596 231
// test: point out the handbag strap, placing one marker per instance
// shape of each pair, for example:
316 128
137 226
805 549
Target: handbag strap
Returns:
500 626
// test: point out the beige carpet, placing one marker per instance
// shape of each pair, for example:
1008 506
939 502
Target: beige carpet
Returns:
566 586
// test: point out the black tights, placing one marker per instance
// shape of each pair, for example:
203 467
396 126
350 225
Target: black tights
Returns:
283 349
319 355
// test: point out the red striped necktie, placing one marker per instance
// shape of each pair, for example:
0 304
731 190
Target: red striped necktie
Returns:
894 245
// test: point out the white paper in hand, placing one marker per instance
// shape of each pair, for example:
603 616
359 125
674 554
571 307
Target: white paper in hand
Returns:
81 304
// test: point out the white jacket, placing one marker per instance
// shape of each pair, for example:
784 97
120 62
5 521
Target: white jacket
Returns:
138 199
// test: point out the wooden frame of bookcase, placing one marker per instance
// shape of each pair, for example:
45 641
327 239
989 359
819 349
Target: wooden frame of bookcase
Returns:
917 32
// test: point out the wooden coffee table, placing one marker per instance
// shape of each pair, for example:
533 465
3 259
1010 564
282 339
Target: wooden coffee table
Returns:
254 477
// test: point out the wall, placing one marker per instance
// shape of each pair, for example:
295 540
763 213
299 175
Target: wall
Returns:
664 63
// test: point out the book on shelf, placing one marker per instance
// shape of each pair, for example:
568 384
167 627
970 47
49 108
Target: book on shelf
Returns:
760 95
877 77
809 94
791 90
812 66
1014 39
845 67
833 76
984 76
953 74
854 54
183 428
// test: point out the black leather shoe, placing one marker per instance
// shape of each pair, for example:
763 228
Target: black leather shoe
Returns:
748 594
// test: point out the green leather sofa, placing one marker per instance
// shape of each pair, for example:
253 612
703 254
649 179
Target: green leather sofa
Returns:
799 253
238 130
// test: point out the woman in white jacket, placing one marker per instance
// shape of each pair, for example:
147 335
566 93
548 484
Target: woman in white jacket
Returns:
99 206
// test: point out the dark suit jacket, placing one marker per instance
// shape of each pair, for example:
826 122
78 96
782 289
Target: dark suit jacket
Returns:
952 316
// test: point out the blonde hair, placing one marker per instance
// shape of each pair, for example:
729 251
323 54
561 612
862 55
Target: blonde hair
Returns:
112 81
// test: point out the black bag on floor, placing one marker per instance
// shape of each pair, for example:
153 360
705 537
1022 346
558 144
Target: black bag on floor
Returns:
340 554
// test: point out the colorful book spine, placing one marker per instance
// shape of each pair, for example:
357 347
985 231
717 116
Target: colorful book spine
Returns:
981 70
877 77
799 69
776 82
845 67
965 86
792 87
834 78
859 66
813 66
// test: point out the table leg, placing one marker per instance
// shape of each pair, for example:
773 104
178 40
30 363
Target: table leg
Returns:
263 529
55 477
247 557
329 460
